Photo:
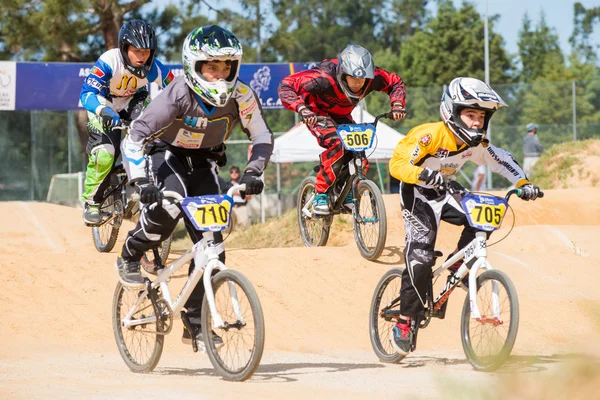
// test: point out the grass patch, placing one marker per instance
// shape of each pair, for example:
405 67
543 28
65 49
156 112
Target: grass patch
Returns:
280 231
557 165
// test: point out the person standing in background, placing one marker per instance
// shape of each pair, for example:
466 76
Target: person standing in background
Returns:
532 148
478 182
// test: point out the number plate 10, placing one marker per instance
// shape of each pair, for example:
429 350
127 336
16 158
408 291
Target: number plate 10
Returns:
483 211
357 137
208 213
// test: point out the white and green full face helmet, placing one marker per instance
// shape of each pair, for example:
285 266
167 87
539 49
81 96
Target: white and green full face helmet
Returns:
211 43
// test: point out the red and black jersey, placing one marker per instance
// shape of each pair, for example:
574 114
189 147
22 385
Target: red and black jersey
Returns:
319 90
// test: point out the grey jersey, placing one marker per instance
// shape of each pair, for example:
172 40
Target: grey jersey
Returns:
178 117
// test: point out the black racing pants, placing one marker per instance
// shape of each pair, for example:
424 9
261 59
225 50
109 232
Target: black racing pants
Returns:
188 176
422 210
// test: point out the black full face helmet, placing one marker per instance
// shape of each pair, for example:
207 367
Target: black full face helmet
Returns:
139 34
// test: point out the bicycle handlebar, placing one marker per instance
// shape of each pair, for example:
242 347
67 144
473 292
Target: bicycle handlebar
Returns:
458 188
335 124
178 198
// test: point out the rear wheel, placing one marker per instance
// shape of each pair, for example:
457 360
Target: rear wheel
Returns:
488 341
383 315
105 235
140 346
370 221
313 230
243 333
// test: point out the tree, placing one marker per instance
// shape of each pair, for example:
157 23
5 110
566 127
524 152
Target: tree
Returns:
452 45
401 20
539 50
312 30
582 30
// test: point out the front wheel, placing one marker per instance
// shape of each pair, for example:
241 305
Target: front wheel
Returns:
488 341
141 345
370 221
105 235
383 315
243 332
314 230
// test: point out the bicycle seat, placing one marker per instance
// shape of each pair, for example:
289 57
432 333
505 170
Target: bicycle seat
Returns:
437 253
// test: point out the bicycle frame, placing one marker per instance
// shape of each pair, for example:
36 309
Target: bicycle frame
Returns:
355 173
206 259
474 254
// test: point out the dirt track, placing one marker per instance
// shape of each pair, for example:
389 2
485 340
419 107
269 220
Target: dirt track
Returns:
57 342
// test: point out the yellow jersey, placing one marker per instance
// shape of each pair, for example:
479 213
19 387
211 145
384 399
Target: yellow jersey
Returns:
434 146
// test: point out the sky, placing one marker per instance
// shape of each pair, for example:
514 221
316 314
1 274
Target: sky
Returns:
558 13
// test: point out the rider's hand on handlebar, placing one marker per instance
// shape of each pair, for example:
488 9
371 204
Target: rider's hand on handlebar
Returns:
308 117
149 193
254 185
398 112
529 192
109 117
431 177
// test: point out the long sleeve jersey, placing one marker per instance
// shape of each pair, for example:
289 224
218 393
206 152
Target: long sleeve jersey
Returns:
434 146
109 83
179 118
532 146
319 90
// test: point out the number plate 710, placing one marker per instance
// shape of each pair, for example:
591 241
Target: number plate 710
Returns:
208 213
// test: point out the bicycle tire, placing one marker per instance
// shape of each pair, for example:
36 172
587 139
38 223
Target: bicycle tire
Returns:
147 261
154 340
220 357
491 362
105 236
313 231
370 251
379 328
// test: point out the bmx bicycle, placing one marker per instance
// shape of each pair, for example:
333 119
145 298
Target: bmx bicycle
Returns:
231 309
369 221
120 202
490 314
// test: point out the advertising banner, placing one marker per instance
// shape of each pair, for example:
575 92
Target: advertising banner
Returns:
56 86
8 84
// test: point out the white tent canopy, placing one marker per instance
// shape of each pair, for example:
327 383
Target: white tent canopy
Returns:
299 145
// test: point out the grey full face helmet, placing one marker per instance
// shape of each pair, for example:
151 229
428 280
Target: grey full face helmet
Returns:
355 61
468 93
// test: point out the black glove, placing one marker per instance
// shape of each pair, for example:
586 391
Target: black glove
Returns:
253 183
149 193
398 112
308 117
109 117
218 155
530 192
431 177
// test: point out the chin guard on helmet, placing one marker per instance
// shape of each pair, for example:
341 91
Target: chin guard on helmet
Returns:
468 93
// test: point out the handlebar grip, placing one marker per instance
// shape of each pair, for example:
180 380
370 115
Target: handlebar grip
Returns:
540 195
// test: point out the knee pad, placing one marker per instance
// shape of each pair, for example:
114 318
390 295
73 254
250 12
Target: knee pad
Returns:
104 156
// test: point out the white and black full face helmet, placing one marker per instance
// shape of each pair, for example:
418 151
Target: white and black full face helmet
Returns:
140 34
355 61
468 93
211 43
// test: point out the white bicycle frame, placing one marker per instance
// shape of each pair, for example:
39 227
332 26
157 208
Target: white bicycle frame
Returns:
206 258
477 248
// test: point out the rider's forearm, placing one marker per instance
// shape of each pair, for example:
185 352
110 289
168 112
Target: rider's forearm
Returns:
134 160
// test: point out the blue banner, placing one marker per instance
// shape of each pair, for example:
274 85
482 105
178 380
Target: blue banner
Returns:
56 86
